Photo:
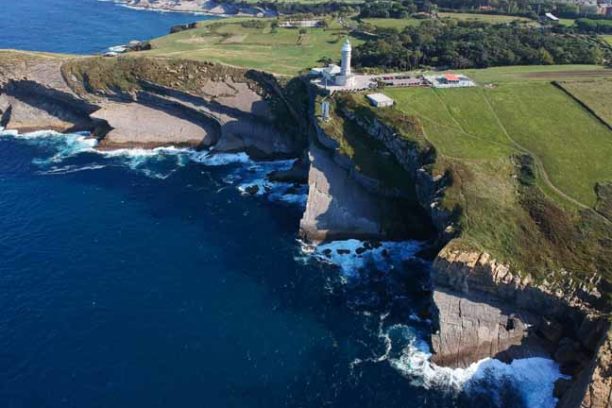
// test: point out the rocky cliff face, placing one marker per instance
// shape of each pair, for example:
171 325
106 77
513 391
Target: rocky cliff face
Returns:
228 110
484 308
337 206
514 317
593 387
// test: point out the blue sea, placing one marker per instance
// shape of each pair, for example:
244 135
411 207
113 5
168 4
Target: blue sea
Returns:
152 278
80 26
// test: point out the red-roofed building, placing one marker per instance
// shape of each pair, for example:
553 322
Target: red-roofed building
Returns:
451 78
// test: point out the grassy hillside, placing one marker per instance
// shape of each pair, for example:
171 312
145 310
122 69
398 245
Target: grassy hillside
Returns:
530 73
240 43
487 18
397 23
595 94
533 117
525 160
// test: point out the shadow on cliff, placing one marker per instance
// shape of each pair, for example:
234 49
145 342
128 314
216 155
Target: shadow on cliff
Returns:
370 188
56 103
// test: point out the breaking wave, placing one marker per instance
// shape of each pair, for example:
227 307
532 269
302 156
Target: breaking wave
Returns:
527 382
59 146
353 255
247 175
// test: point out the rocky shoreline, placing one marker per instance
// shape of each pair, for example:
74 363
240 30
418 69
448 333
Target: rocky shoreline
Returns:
199 7
483 308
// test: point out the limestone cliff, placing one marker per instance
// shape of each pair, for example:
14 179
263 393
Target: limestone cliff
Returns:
487 308
140 102
337 207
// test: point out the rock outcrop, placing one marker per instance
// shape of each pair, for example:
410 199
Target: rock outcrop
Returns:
201 6
228 109
337 207
554 320
475 327
131 122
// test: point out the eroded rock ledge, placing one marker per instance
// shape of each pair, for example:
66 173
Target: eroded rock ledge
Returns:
229 108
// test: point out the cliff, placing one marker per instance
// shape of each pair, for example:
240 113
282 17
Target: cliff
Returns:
174 103
484 306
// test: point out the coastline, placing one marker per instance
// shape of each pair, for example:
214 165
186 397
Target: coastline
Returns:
59 100
201 7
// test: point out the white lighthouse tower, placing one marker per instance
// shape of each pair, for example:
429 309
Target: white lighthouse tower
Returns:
346 77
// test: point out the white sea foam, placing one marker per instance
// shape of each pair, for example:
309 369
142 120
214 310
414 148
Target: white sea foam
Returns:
247 175
532 378
64 145
70 169
220 159
352 255
251 178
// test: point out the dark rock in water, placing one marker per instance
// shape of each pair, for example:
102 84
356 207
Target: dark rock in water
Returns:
252 190
298 173
360 250
327 252
385 253
343 251
550 330
561 387
182 27
570 356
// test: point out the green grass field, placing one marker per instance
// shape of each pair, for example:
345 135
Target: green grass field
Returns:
285 51
608 38
398 23
530 73
568 22
478 131
595 94
489 18
481 123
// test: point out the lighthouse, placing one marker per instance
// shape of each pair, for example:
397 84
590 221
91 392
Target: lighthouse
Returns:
345 78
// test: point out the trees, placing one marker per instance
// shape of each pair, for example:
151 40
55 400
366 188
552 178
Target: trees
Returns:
474 44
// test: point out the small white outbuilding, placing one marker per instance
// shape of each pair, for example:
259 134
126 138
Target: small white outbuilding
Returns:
551 17
380 100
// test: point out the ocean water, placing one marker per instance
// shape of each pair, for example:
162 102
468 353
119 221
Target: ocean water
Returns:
152 278
158 278
80 26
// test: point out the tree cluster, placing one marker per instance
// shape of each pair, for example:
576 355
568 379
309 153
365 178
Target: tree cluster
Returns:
587 25
453 44
388 9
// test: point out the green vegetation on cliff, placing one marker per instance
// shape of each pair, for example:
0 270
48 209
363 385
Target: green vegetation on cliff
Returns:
528 163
